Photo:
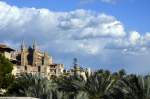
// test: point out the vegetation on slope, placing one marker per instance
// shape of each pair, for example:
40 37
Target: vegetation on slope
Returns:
100 85
5 73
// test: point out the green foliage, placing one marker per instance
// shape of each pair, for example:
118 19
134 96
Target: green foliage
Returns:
5 72
71 85
102 84
133 87
32 86
99 85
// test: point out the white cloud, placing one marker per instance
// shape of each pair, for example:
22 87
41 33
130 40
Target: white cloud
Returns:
134 37
92 25
134 43
48 26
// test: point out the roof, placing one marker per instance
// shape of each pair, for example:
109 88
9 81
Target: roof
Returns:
5 48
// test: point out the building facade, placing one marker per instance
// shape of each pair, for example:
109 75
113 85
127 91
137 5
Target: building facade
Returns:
78 70
6 51
32 60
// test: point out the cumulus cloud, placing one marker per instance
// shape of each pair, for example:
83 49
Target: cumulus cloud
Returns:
134 37
134 43
48 26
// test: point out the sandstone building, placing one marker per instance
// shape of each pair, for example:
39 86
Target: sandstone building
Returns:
6 51
77 70
32 60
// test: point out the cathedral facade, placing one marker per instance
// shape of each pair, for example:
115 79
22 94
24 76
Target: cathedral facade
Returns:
32 60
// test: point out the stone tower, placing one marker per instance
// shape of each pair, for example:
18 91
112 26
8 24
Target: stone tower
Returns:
76 67
23 54
34 63
45 61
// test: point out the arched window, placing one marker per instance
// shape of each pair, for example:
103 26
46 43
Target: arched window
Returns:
25 68
39 68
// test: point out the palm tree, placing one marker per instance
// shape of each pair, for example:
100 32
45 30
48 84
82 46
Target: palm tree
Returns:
119 75
132 87
71 85
82 95
32 85
98 85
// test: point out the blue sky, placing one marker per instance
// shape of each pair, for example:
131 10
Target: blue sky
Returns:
108 34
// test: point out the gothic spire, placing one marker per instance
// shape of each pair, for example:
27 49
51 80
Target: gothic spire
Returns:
34 44
75 61
22 45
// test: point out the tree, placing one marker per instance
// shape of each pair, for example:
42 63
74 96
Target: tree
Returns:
133 87
119 75
6 68
99 84
71 86
32 86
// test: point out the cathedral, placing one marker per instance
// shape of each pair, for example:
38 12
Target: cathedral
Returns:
32 60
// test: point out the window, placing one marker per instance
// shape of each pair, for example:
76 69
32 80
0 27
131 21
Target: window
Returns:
25 68
39 68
